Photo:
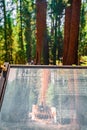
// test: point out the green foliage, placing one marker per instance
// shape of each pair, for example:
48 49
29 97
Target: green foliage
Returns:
56 14
83 31
18 30
28 13
83 60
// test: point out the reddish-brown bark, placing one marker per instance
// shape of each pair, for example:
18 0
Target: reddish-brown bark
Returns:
72 56
71 33
41 6
66 33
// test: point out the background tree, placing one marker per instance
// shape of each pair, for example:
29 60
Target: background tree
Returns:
9 38
56 14
29 31
20 54
1 30
6 34
25 28
5 29
83 30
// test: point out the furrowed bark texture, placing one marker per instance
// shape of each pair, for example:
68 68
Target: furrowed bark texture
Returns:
68 13
72 53
41 28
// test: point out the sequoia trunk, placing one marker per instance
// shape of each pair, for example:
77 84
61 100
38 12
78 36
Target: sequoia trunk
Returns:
66 33
72 56
41 6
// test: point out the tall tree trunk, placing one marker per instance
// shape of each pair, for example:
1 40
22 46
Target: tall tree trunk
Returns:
59 39
55 42
28 37
21 30
45 51
72 56
28 44
68 13
5 33
9 40
41 6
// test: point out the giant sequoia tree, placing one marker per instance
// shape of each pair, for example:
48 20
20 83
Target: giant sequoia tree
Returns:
71 37
40 27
